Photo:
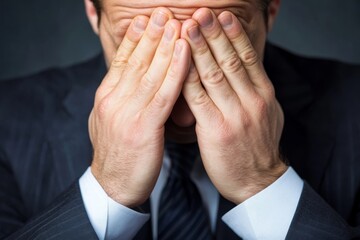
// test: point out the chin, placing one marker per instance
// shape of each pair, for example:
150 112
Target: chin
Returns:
179 134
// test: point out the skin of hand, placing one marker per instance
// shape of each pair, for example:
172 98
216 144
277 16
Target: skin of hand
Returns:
115 17
133 103
227 97
238 119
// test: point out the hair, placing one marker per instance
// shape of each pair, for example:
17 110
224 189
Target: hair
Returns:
264 4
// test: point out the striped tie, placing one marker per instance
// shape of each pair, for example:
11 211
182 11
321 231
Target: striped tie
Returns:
182 214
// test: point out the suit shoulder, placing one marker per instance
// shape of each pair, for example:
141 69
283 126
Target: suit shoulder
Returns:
312 66
322 75
45 87
32 100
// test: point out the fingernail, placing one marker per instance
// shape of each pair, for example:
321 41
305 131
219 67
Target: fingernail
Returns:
169 32
226 21
160 19
194 33
178 49
207 20
139 25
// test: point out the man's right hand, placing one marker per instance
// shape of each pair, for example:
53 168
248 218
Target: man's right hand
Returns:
132 104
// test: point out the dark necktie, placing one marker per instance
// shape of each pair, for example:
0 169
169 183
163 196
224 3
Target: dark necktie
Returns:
181 211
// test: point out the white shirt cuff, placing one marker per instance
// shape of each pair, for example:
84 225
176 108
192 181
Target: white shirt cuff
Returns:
268 214
109 219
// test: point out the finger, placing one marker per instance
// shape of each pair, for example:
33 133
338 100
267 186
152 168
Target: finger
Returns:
127 46
249 57
211 75
159 109
154 77
223 52
143 54
198 100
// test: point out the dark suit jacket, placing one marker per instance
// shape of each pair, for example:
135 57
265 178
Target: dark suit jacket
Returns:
45 148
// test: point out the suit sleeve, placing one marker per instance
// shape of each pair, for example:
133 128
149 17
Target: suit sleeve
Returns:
66 218
11 206
315 219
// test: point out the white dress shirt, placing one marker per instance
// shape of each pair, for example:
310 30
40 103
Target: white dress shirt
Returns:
266 215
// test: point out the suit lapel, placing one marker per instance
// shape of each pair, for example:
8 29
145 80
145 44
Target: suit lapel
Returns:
70 147
69 144
321 142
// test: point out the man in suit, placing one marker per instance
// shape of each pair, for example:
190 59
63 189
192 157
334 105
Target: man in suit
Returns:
196 71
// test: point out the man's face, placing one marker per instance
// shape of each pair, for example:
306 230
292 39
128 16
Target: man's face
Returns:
116 18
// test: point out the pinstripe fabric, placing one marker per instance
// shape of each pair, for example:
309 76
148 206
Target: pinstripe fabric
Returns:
309 221
182 214
65 219
45 147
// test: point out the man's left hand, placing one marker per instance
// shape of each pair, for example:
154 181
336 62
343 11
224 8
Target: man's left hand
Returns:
238 119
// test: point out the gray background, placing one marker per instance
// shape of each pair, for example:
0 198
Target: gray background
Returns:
38 34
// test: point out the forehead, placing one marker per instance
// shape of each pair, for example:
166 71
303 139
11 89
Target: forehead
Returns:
180 8
119 13
177 3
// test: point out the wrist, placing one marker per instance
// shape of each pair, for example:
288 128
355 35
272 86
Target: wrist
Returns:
258 181
113 189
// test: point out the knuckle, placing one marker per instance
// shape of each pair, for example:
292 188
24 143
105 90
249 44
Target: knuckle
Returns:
226 135
172 72
214 76
270 92
246 122
202 50
231 64
249 57
129 42
215 34
118 62
192 70
163 50
136 63
148 82
267 91
152 36
99 94
261 107
102 107
160 100
200 98
193 79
